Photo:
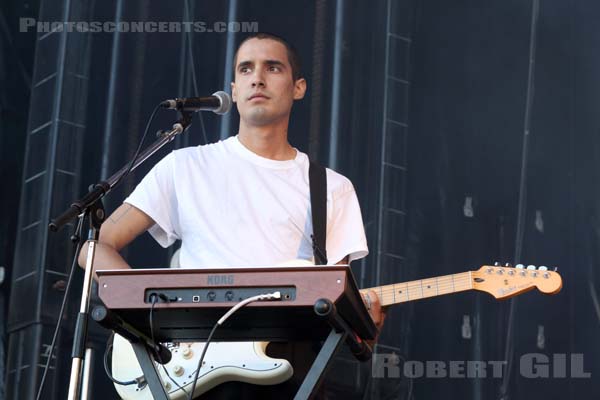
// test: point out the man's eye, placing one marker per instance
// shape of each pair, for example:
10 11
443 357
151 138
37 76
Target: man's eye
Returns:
274 68
244 69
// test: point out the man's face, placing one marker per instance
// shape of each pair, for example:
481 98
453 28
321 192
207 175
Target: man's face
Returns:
264 89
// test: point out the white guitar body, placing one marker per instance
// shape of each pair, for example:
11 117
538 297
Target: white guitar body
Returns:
223 362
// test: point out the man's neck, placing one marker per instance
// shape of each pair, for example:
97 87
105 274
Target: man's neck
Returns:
268 142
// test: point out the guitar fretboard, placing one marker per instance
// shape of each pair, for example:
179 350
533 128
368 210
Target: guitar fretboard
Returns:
422 288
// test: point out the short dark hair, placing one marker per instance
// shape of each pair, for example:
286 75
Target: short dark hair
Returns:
292 53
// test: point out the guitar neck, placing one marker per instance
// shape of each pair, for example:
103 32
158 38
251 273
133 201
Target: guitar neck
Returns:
422 288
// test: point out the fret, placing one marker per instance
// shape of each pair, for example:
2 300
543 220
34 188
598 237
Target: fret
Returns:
470 280
422 288
427 287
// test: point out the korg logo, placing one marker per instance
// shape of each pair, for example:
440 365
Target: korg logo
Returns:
220 280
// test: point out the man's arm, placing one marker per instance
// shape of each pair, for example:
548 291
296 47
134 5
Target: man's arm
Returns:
124 224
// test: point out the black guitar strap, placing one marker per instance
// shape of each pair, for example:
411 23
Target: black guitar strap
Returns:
317 177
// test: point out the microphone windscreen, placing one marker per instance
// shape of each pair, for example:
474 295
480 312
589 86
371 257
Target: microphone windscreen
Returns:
225 100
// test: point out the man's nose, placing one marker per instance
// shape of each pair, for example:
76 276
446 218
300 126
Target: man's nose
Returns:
258 79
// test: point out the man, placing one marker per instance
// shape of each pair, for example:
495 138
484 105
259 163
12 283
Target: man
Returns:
244 201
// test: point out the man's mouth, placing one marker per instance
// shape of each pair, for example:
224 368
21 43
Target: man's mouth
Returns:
258 96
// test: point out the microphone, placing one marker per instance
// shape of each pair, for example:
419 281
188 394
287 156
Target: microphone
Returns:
219 103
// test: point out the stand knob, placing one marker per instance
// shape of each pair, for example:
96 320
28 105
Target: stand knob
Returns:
323 307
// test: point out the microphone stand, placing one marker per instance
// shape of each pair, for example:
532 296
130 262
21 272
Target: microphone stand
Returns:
91 205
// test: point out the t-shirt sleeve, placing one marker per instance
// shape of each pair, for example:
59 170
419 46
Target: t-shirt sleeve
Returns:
346 233
156 196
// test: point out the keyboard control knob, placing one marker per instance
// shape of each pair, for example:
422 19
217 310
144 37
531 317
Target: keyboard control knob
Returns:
187 353
178 370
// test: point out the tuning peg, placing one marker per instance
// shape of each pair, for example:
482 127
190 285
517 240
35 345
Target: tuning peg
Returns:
508 265
543 268
496 264
520 266
531 267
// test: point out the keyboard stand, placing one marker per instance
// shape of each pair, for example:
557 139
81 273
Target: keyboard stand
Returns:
340 333
317 371
149 369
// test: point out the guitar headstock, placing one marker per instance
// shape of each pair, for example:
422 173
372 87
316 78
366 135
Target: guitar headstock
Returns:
506 282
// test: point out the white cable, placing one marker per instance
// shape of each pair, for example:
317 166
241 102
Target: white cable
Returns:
260 297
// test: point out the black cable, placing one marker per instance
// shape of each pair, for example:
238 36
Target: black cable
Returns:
197 372
140 380
139 148
187 14
107 351
154 297
78 231
261 297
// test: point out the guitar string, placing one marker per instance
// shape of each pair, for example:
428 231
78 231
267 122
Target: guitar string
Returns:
446 286
441 283
417 295
419 282
418 285
456 284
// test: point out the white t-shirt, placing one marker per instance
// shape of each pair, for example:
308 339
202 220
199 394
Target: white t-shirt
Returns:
232 208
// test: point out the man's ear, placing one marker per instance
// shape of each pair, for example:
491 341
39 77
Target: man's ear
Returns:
233 93
299 89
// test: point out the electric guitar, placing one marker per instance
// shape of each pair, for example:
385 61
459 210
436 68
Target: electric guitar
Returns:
248 362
